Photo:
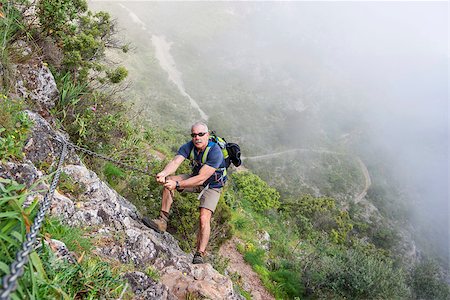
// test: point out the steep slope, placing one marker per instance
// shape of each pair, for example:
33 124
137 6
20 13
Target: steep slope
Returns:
104 214
116 224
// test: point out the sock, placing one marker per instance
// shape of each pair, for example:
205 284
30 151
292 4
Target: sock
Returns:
164 215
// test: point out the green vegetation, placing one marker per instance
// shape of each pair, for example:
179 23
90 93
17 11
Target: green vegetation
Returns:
68 186
428 281
316 248
313 254
152 273
14 127
318 214
46 276
256 191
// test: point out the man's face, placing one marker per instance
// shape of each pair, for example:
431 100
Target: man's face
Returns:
200 142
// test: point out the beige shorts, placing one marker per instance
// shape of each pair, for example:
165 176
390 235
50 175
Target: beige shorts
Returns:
209 197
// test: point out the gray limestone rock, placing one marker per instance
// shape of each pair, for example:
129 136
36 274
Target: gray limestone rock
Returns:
145 287
34 81
123 237
24 173
41 148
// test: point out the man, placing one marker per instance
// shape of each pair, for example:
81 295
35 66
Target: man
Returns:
207 178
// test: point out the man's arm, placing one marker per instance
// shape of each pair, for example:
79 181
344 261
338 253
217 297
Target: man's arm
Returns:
204 173
170 168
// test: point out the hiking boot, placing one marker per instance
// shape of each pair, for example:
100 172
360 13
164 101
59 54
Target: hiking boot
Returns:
198 258
159 224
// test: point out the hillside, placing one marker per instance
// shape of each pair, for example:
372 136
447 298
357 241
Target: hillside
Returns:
308 214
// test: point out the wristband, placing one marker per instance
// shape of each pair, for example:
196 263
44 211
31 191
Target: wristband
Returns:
177 185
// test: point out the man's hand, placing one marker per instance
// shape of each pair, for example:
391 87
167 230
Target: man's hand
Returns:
170 184
161 177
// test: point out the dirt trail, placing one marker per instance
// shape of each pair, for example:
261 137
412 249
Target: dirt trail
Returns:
367 181
365 172
290 151
250 279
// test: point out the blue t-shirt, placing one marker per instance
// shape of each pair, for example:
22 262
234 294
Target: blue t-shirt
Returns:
214 159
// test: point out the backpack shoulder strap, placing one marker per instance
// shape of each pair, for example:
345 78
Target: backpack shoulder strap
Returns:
191 154
205 153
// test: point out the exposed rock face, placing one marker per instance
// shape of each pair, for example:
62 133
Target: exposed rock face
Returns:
118 225
200 280
106 214
60 250
41 149
35 82
146 288
25 173
264 240
125 238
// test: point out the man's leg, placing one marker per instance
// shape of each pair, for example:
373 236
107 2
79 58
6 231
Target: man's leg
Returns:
208 203
204 230
160 224
167 196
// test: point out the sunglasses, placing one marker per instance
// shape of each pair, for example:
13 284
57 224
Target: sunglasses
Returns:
199 134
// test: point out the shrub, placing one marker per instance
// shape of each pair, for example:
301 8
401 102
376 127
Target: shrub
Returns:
113 174
83 37
310 213
68 186
255 257
353 274
256 191
289 282
428 281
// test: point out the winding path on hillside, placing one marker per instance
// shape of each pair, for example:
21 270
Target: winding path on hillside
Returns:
291 151
367 181
364 170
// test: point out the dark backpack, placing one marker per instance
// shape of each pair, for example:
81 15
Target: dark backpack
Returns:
231 151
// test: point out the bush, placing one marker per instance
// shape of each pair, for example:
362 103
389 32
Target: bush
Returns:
83 37
289 281
321 214
428 281
67 185
353 274
113 174
256 191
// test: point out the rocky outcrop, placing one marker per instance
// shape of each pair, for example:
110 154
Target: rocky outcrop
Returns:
34 81
41 148
264 240
122 236
116 224
145 287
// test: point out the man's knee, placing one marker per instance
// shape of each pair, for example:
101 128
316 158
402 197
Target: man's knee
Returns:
205 217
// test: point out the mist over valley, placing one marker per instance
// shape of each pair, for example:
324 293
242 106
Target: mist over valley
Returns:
326 85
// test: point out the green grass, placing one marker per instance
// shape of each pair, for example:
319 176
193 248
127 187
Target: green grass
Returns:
74 237
68 186
45 276
153 273
14 128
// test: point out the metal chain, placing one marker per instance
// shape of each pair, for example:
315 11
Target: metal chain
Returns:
9 281
126 166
